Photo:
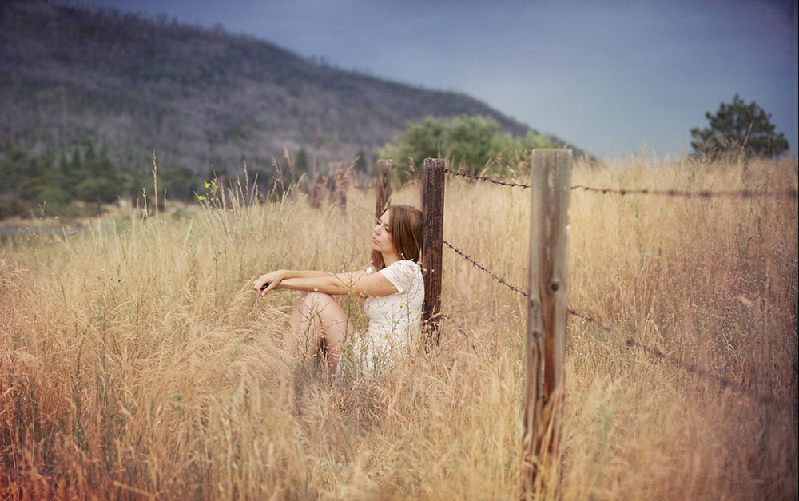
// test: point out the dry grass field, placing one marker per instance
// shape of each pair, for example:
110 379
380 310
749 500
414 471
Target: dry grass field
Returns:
136 362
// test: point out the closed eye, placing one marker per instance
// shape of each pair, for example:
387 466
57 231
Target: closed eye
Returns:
380 223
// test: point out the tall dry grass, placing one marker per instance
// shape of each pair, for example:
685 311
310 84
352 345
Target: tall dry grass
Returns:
135 361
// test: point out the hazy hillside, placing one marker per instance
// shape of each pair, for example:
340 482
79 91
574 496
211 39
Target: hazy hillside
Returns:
198 97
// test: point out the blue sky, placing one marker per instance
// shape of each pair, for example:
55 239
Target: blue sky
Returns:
609 76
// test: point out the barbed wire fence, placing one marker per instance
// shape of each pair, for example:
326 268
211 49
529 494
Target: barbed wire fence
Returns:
532 302
630 343
703 194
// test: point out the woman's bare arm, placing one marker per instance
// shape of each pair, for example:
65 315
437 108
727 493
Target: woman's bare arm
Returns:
358 282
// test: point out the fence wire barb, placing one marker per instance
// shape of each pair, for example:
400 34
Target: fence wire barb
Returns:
589 318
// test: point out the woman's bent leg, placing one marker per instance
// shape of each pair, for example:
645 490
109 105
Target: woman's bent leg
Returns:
318 321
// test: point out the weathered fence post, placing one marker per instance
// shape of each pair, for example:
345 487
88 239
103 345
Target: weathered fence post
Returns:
546 319
383 186
317 190
343 186
339 184
433 235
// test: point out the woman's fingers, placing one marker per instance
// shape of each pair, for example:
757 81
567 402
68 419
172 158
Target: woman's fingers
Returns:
261 285
268 282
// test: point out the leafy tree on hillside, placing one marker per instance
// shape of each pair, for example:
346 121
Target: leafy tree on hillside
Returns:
471 141
738 128
419 141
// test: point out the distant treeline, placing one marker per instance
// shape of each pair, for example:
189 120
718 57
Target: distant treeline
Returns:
79 182
83 178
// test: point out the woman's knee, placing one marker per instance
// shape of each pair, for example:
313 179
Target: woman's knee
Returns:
317 296
316 301
309 302
327 309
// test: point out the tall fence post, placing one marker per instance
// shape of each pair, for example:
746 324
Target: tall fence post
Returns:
317 191
339 183
546 319
383 186
433 235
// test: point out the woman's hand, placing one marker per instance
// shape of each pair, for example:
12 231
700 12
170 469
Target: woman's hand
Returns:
268 282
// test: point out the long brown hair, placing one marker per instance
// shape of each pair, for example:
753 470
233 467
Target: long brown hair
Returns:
405 227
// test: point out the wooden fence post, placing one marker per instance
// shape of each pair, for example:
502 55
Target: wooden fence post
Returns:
546 320
433 235
383 186
317 190
339 183
342 187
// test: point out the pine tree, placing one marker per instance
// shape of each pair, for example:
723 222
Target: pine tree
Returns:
738 129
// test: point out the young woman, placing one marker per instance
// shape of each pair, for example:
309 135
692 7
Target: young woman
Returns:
394 288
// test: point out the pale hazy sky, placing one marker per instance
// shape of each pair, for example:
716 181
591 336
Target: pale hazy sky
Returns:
607 76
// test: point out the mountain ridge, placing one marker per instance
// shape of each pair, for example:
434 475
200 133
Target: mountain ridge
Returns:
194 97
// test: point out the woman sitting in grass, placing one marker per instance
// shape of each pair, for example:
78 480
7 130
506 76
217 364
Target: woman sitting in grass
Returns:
394 290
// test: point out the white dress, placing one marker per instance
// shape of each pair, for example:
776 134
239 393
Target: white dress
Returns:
394 320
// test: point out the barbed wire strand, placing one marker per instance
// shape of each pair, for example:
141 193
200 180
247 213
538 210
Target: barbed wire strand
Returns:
589 318
464 174
791 193
724 382
478 265
499 279
488 179
406 169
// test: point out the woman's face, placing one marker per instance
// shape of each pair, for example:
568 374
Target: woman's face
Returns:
381 236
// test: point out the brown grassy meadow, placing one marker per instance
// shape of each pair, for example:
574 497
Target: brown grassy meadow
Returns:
136 362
